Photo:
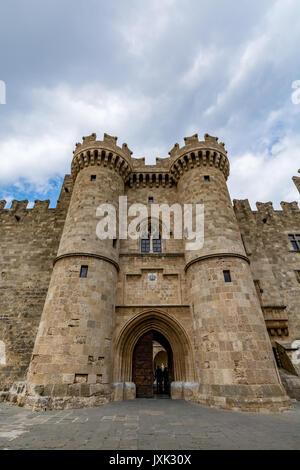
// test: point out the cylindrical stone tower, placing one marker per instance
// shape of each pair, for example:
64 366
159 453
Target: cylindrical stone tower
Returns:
234 360
71 361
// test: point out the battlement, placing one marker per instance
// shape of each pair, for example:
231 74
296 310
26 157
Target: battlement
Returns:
265 213
193 142
196 152
104 152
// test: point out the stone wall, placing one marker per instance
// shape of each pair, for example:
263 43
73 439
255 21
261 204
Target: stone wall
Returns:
274 263
90 325
29 243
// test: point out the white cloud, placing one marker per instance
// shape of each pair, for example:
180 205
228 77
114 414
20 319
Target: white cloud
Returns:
41 142
152 73
146 25
265 176
204 61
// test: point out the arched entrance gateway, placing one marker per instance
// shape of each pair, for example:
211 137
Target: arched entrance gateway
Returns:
152 373
149 335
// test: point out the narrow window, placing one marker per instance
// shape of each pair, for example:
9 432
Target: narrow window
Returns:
206 178
83 271
145 245
227 277
298 275
114 243
150 200
156 244
93 177
295 241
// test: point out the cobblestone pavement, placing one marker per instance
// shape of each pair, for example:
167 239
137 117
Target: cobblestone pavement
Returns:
148 424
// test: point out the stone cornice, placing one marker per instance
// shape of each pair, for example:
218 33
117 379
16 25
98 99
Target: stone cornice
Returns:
154 255
87 255
216 255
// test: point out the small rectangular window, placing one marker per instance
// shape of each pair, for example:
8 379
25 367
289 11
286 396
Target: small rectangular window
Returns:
83 271
150 200
93 177
114 243
298 275
206 178
227 277
145 245
156 242
295 241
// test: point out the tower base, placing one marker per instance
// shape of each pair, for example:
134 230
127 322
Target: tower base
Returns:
255 398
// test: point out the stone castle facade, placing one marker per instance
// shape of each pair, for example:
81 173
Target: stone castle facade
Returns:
79 315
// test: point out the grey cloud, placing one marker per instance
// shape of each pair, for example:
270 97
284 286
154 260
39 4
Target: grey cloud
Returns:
148 72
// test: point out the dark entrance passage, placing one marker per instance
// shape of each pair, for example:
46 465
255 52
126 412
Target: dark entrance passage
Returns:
144 363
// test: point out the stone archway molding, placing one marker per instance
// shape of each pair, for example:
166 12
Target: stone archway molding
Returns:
183 357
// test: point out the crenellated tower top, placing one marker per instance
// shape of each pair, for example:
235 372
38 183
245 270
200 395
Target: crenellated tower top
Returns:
104 152
195 152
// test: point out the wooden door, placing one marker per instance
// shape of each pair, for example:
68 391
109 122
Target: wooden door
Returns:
143 366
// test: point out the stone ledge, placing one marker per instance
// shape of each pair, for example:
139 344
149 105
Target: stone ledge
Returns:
87 255
216 255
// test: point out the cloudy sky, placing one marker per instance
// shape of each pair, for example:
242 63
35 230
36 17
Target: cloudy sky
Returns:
151 73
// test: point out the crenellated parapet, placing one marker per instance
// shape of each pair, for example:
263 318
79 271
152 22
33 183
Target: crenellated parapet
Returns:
296 180
243 211
290 207
104 152
151 179
198 153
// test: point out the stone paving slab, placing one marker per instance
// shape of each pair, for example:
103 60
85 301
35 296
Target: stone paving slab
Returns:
148 424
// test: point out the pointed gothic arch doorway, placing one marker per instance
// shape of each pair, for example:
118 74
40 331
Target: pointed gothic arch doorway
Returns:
152 372
173 336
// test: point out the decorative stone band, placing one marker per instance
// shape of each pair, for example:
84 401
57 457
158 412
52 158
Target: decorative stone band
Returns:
216 255
197 157
151 179
88 255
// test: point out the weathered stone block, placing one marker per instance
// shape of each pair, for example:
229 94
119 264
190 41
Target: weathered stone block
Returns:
129 391
177 390
117 391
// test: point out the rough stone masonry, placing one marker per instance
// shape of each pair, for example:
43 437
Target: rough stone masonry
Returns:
227 314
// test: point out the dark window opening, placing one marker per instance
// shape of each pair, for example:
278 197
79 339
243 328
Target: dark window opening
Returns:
150 200
145 245
298 275
114 243
227 276
83 271
206 178
66 189
295 241
93 177
276 356
156 243
18 218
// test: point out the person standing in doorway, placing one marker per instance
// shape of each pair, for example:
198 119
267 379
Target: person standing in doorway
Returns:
159 379
166 380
